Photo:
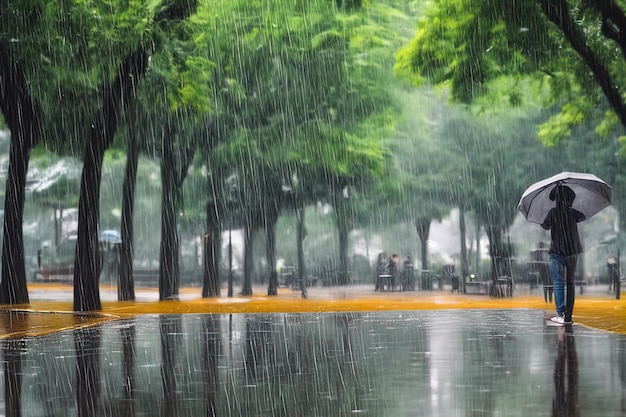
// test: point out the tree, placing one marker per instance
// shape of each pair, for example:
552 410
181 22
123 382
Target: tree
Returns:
494 163
475 45
22 117
25 38
116 98
418 172
126 286
284 127
570 54
87 263
177 103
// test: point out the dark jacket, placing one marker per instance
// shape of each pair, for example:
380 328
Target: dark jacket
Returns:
562 222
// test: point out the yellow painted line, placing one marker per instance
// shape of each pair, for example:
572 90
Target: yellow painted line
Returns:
43 317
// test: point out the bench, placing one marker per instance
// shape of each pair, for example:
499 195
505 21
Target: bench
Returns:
384 282
450 274
478 287
55 274
504 287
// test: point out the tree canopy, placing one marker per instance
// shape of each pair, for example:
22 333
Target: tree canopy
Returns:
572 51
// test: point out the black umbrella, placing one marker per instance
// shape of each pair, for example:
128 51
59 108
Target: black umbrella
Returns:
592 195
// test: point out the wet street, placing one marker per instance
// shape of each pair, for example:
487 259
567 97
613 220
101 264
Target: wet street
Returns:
393 363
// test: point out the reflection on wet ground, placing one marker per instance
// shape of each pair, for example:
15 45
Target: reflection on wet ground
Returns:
393 363
594 308
15 323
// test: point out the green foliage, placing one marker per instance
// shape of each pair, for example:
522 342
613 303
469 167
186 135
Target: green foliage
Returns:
559 126
309 105
70 51
607 125
467 45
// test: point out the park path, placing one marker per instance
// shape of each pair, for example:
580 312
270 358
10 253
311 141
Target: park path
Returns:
50 309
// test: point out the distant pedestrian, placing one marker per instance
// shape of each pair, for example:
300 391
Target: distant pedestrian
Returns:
393 269
408 274
381 269
562 222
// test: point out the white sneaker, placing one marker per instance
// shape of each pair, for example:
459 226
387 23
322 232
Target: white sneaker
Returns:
558 320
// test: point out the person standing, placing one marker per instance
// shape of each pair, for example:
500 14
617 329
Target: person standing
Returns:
393 270
381 269
408 281
562 222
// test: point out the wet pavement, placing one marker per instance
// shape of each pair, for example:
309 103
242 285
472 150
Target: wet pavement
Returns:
340 353
400 363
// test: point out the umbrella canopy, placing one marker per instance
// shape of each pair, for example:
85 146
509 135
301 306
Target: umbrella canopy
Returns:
592 195
109 236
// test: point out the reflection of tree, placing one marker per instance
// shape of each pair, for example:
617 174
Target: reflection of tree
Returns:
127 334
210 356
87 346
170 328
319 365
262 376
11 356
301 361
259 353
565 401
419 360
48 359
327 365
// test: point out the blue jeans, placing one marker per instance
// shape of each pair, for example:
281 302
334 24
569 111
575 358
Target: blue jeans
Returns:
562 270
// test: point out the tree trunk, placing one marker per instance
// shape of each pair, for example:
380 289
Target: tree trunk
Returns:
169 279
500 255
230 262
21 117
423 231
342 227
173 175
212 253
300 248
341 206
87 262
247 259
478 254
270 237
464 262
13 287
126 285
